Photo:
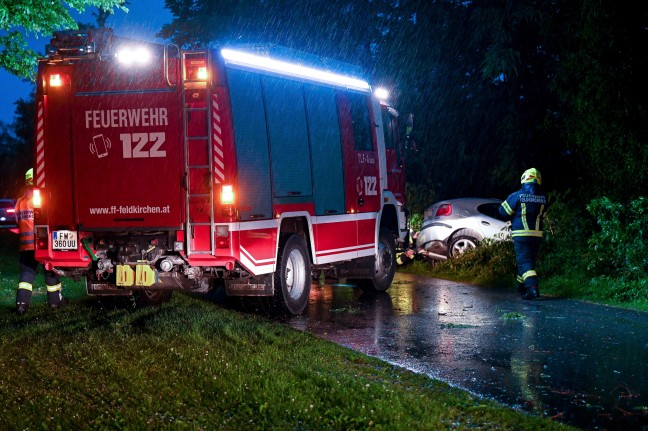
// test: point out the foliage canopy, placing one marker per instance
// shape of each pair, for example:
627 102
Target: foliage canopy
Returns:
495 86
20 19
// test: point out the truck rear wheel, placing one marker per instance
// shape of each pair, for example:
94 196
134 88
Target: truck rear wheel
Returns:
152 298
292 280
385 264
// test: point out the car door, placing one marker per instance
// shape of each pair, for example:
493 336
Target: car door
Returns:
489 224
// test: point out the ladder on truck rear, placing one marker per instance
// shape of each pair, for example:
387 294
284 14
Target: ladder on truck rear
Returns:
198 158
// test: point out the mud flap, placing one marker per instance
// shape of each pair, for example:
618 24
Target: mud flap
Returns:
95 287
260 285
359 268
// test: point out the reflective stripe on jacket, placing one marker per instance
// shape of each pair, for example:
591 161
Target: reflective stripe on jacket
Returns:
403 259
25 220
525 208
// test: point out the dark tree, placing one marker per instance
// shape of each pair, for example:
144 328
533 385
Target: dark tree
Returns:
16 148
496 86
20 19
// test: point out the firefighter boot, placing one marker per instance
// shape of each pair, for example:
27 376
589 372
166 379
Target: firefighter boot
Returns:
520 286
23 297
56 300
531 293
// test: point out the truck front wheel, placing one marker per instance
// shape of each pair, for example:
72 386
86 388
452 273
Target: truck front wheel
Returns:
385 264
292 280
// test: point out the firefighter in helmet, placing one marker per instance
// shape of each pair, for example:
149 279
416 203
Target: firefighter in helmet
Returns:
28 264
526 209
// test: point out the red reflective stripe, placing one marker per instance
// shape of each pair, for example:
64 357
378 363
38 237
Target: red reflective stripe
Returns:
217 138
40 145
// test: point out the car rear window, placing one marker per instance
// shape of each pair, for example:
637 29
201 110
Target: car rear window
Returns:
7 204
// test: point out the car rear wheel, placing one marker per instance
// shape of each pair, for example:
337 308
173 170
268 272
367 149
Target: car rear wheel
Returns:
460 244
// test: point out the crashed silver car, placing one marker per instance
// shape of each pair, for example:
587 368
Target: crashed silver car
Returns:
453 226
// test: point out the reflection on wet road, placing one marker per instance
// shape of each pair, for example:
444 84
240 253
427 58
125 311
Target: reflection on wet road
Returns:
580 363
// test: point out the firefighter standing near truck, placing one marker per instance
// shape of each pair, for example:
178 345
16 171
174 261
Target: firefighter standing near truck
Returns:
526 209
28 264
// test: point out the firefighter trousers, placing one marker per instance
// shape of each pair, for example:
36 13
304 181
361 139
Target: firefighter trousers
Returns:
28 269
526 253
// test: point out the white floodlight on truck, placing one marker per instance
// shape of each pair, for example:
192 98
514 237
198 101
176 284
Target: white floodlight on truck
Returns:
381 93
133 55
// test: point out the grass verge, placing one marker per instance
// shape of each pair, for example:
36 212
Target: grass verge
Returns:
191 364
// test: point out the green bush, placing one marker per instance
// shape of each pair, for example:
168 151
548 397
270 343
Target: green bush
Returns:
492 263
419 196
567 228
620 246
416 222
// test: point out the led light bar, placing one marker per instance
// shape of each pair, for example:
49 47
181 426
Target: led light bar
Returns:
241 58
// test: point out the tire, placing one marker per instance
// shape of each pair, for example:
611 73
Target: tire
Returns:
460 244
385 264
292 280
152 298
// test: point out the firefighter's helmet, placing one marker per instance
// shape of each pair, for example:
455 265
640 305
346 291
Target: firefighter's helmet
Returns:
531 175
29 176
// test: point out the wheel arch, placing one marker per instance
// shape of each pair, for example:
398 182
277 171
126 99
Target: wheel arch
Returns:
467 232
389 220
299 224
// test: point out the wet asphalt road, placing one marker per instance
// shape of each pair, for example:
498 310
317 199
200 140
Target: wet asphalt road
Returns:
581 363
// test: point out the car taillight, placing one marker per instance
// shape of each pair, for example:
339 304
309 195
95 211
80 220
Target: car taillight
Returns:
444 210
11 210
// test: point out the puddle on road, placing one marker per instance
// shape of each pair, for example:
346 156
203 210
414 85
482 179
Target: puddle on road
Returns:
578 363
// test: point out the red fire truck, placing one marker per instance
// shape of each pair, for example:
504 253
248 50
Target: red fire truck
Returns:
160 169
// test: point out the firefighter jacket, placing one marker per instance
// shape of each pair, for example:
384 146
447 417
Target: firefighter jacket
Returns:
403 259
25 221
525 208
